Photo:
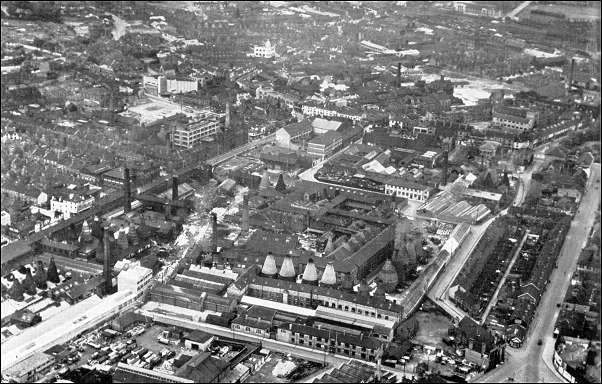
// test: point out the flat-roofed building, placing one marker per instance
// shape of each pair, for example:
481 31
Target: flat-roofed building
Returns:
324 145
30 368
190 131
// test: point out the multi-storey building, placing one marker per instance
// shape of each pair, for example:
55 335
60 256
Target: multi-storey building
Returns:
361 347
71 201
266 51
326 111
190 131
515 119
324 145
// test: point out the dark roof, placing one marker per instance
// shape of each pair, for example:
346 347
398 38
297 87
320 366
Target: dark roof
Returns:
257 312
264 242
202 368
298 128
370 301
253 323
14 250
472 330
198 336
326 138
355 340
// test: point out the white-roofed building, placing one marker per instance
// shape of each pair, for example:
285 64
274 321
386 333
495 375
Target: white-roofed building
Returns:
134 278
320 125
63 326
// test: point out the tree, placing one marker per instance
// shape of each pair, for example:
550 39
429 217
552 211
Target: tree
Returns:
280 186
52 273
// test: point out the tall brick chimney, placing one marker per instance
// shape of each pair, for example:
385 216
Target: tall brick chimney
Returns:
127 204
213 233
107 272
445 160
174 188
245 214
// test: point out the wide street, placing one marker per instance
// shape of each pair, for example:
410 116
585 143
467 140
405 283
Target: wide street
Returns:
532 363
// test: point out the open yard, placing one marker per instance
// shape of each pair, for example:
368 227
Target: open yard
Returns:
432 329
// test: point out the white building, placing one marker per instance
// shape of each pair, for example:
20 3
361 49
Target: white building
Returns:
134 279
5 218
71 203
409 190
324 145
266 51
322 125
514 119
293 134
314 110
188 132
161 85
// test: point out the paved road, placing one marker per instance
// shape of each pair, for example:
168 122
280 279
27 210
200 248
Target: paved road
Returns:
439 291
512 14
533 363
503 280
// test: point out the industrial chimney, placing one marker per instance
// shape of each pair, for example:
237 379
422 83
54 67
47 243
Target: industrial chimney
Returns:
571 74
445 160
174 188
214 233
227 123
265 181
127 204
245 215
107 273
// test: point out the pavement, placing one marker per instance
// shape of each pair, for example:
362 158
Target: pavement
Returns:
512 14
532 363
493 300
439 292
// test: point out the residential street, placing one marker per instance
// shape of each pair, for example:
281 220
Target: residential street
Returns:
533 363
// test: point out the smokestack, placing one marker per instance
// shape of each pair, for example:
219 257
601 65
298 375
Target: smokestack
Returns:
174 188
310 274
399 74
107 261
287 270
127 204
214 233
329 277
364 289
265 182
227 123
445 159
571 74
245 214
